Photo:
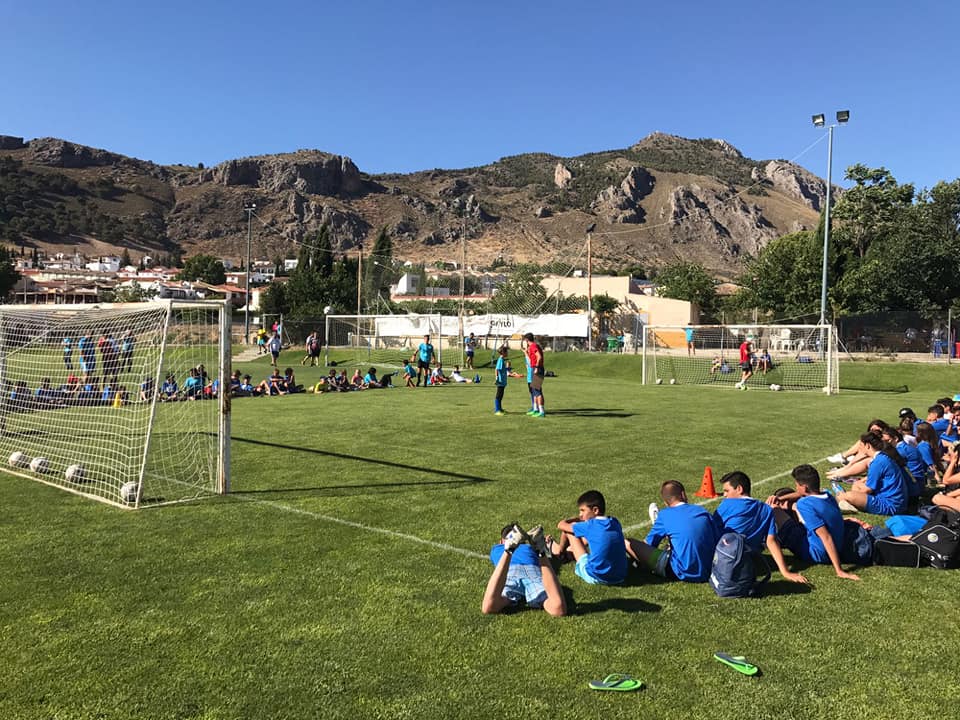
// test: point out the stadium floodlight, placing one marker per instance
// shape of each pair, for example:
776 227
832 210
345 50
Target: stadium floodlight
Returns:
843 116
105 434
249 208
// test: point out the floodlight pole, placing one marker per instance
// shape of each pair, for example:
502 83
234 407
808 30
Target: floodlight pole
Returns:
249 208
826 229
590 286
359 286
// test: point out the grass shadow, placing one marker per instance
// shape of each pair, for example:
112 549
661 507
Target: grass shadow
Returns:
625 605
900 389
785 587
591 412
457 477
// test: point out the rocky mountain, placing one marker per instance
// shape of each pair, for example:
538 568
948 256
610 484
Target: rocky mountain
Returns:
664 198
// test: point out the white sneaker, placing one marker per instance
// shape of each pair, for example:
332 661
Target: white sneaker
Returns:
837 459
846 507
514 539
738 386
653 511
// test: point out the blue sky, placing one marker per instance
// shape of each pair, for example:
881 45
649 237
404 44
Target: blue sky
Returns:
404 86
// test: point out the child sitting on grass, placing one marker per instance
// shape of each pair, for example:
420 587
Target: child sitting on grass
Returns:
595 540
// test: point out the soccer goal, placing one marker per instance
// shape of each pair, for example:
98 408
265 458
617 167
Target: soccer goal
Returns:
81 401
785 357
384 340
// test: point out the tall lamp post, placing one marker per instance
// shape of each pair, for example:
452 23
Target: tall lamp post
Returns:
593 226
819 121
248 207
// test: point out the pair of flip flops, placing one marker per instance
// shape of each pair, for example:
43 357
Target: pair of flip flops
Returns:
617 682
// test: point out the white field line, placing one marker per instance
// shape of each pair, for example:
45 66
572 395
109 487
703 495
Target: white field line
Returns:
368 528
707 501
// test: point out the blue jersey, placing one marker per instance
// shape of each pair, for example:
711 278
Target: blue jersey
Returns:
608 552
887 485
693 537
915 466
523 555
817 511
749 517
926 452
67 346
425 351
503 366
689 333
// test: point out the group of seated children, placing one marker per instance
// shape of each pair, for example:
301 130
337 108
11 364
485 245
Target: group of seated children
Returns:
890 467
679 546
273 384
339 382
196 386
437 376
20 398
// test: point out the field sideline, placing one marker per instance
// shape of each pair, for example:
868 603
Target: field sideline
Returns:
343 576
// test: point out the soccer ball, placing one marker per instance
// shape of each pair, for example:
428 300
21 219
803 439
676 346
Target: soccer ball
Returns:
75 473
673 381
659 381
775 387
39 465
128 492
19 460
826 390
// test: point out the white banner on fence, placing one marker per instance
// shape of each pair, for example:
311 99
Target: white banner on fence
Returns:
496 325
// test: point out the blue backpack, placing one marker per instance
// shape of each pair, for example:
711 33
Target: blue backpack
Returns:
734 571
857 548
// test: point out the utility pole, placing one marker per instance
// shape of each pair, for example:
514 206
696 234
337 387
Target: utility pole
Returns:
593 226
249 208
359 287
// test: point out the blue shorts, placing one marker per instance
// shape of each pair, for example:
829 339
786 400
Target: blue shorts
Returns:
580 569
525 584
877 506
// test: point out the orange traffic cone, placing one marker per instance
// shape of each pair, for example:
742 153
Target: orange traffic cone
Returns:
707 490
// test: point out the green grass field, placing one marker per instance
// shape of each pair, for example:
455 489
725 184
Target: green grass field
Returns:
342 578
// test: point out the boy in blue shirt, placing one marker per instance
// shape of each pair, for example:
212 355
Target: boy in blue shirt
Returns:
693 537
522 573
815 533
424 356
740 513
504 371
595 540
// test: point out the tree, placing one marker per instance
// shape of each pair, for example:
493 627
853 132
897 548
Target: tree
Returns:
785 277
8 273
521 293
870 209
205 268
125 259
378 270
688 281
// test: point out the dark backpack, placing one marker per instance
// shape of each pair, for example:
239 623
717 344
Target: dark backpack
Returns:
939 540
734 571
857 548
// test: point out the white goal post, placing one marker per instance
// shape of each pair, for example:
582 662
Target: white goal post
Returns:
87 404
785 357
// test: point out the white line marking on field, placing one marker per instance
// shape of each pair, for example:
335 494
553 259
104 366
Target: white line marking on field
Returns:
368 528
707 501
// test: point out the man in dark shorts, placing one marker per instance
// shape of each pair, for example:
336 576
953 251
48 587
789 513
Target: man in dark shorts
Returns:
746 363
535 362
424 357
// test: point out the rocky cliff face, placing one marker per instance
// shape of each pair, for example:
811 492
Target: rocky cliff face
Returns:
697 193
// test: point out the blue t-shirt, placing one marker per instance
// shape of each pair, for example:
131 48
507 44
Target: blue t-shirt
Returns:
887 484
523 555
608 552
926 452
749 517
67 346
689 333
408 370
817 511
502 366
915 466
939 426
168 388
368 378
425 351
191 383
693 536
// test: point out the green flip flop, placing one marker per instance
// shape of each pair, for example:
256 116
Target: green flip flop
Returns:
617 682
737 662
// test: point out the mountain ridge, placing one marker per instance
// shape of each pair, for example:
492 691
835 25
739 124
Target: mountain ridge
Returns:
663 198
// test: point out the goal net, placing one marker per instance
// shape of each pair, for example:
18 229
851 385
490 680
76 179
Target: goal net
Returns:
784 357
120 403
385 340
